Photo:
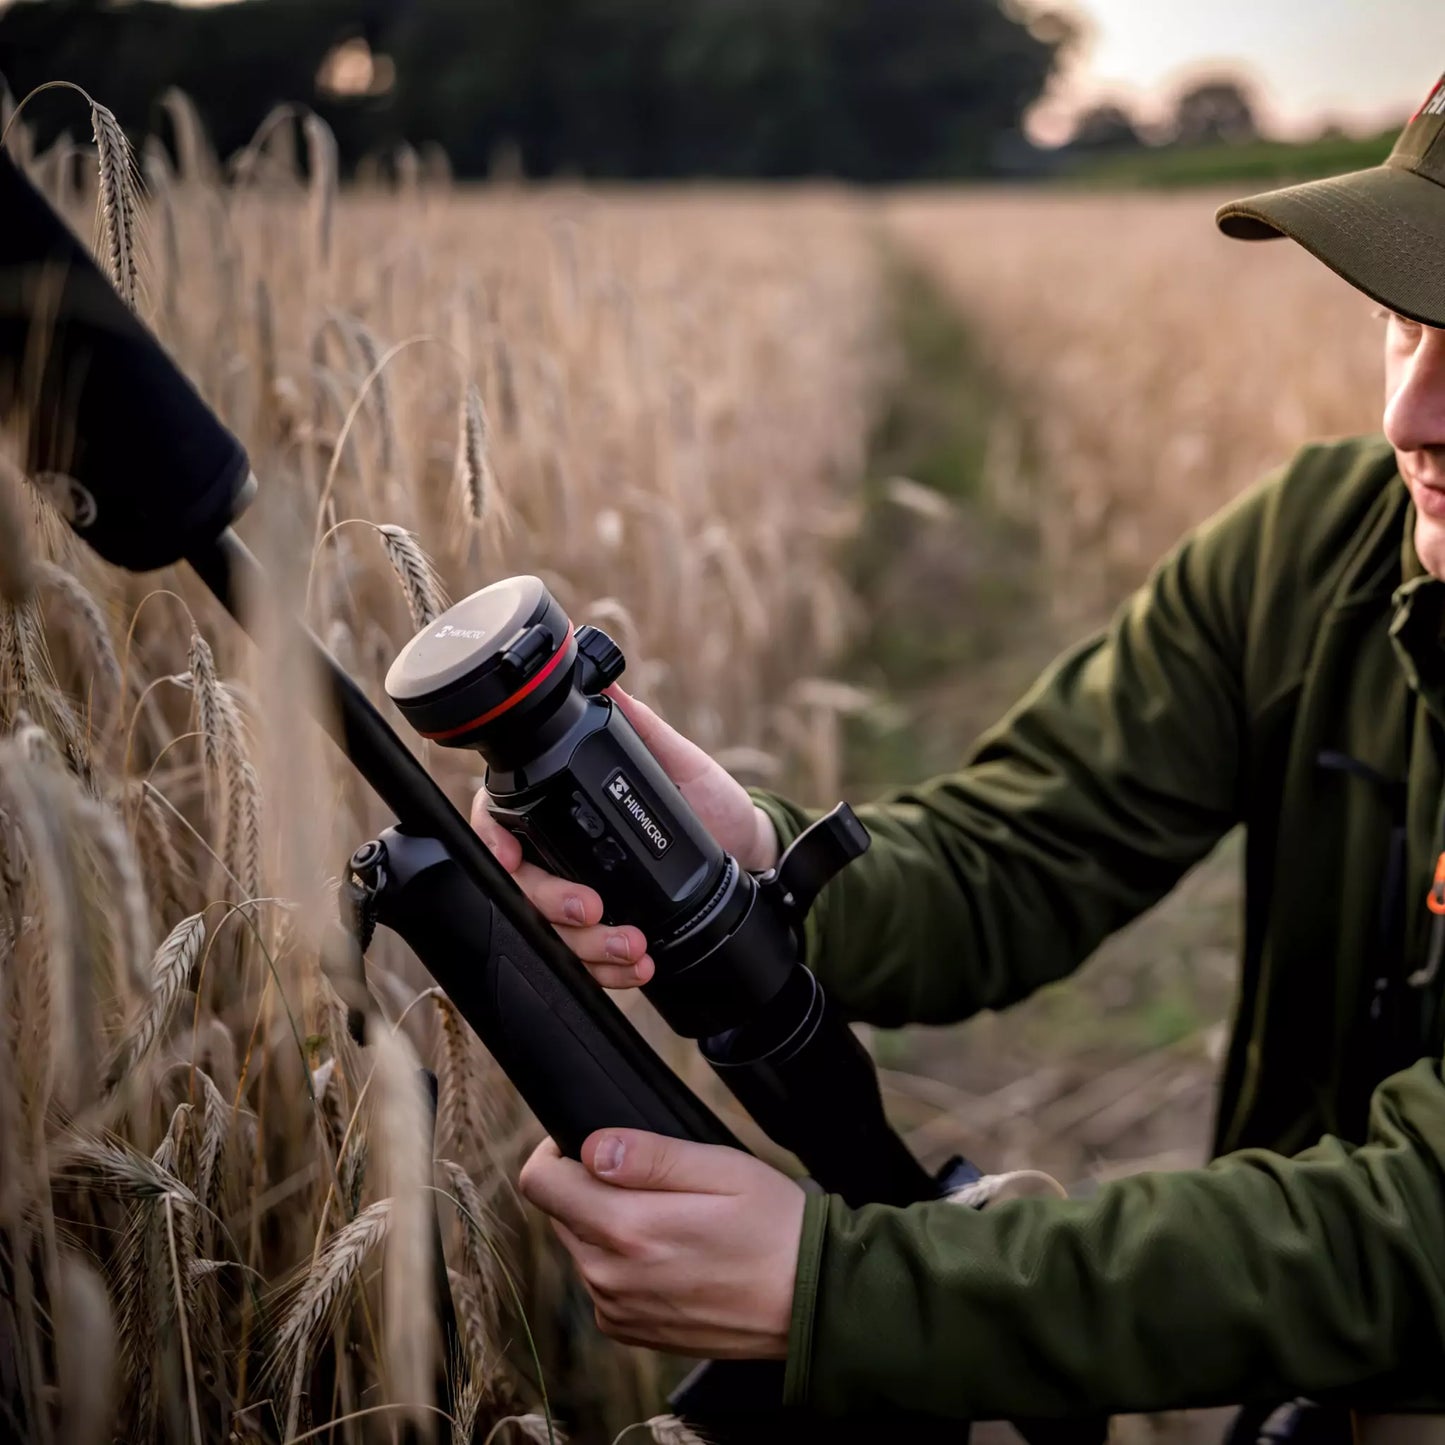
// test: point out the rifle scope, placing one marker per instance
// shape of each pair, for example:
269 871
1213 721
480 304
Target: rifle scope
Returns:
506 673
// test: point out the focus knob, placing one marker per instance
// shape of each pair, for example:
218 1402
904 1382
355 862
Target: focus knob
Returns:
599 660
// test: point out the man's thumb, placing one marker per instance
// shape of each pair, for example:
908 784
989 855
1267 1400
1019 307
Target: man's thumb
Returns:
632 1159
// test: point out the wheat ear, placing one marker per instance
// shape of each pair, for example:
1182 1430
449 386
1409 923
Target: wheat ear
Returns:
478 481
467 1404
381 391
160 185
321 1291
322 167
193 150
425 598
119 203
161 860
481 1254
671 1430
170 969
110 843
459 1128
530 1427
90 624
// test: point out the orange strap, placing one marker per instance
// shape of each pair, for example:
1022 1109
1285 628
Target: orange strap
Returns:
1435 901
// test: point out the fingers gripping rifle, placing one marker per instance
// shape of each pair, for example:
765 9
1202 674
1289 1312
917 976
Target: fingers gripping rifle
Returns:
148 476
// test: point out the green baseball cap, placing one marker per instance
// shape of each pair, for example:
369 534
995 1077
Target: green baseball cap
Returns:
1383 229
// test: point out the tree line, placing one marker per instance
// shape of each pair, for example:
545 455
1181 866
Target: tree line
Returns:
866 90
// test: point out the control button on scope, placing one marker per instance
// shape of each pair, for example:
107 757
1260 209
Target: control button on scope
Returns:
586 817
605 659
531 646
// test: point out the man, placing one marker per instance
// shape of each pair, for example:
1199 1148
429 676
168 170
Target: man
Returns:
1283 668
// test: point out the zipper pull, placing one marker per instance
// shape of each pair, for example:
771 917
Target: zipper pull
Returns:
1435 957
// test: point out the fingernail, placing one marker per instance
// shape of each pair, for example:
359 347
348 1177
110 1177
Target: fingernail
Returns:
608 1158
618 947
574 911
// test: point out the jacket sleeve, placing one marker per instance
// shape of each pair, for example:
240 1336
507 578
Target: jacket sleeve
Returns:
1116 773
1258 1278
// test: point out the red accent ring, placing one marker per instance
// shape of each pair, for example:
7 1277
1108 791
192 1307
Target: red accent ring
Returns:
512 701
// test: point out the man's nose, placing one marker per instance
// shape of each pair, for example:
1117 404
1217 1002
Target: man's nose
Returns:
1415 414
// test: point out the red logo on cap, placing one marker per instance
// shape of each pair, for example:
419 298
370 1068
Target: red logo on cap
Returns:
1434 102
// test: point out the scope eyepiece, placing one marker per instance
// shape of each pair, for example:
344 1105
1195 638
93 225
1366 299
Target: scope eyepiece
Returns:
498 663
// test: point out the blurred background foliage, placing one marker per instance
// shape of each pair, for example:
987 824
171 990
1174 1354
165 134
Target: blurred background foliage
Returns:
861 89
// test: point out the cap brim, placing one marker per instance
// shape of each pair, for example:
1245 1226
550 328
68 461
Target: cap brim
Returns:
1383 230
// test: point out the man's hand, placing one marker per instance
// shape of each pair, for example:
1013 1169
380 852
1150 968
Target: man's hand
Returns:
689 1248
617 957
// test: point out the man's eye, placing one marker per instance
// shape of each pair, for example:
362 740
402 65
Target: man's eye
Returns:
1402 326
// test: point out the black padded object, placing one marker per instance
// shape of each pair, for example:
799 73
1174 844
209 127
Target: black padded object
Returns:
142 466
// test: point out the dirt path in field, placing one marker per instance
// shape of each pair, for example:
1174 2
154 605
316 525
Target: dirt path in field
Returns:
1112 1070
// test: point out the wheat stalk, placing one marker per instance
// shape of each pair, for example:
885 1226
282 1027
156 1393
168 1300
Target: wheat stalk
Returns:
216 1129
459 1085
381 391
467 1405
539 1428
167 1155
159 179
481 1253
17 576
246 861
321 1290
209 703
129 1173
170 968
478 484
28 680
321 167
91 627
130 916
404 1144
85 1351
666 1430
57 983
161 860
231 781
193 150
425 599
119 203
471 1313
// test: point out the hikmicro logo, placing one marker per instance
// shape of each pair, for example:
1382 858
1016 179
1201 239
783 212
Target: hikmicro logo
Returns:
447 630
1435 105
636 812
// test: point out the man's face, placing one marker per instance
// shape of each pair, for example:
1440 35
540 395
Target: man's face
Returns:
1415 425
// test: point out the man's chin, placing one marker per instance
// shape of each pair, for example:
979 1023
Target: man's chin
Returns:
1430 544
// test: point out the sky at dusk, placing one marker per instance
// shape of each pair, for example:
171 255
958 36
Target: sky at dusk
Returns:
1364 63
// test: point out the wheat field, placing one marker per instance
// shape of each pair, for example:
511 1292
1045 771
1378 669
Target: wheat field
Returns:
1157 368
215 1203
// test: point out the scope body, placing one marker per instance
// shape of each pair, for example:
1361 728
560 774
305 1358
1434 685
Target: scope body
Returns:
505 672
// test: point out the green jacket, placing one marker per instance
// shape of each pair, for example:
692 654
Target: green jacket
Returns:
1294 630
